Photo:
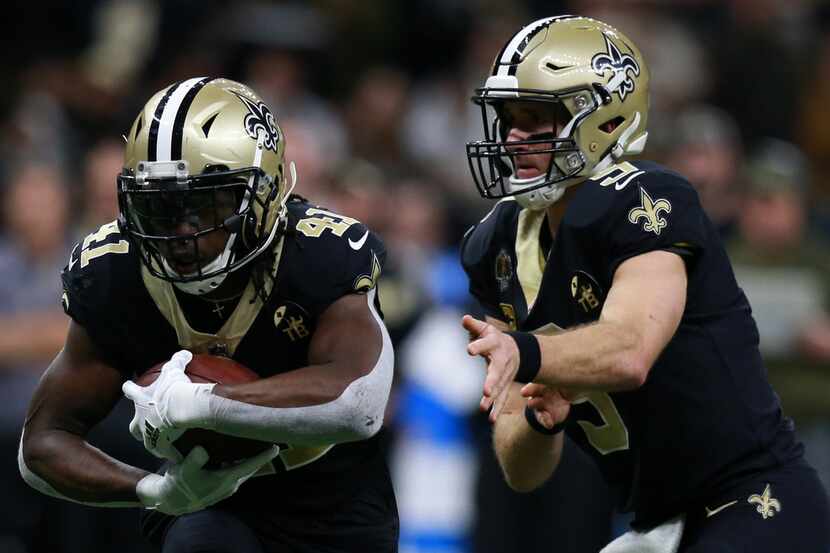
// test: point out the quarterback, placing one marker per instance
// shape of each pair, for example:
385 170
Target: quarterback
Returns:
612 312
211 253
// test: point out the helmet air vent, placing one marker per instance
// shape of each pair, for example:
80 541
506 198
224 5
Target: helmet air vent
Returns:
208 124
553 67
611 125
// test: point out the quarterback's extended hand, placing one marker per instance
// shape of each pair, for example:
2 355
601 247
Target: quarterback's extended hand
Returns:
153 423
502 355
551 406
186 487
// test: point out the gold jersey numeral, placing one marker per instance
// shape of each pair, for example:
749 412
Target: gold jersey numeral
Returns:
323 220
88 253
612 434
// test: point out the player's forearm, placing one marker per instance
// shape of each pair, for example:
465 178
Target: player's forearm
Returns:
303 407
308 386
63 465
604 356
527 458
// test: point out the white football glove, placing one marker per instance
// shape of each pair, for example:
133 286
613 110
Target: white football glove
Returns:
187 487
152 423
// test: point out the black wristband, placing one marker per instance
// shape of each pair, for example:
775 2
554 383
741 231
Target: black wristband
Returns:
534 423
530 356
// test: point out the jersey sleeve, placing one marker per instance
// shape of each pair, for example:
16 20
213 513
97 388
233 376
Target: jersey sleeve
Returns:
336 256
478 258
658 211
91 281
363 265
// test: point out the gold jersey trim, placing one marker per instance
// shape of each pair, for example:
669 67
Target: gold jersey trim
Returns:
530 261
234 329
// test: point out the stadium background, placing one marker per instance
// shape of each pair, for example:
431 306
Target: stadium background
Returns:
373 99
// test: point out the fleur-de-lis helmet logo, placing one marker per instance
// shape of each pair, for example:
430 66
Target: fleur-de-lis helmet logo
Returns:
622 65
260 119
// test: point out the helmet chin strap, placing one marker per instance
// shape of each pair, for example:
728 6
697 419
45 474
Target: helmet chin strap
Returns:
542 197
203 286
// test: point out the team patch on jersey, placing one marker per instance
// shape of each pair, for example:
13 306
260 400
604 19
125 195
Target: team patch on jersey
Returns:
650 212
292 320
767 506
586 292
504 269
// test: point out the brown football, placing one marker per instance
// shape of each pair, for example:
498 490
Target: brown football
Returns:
222 448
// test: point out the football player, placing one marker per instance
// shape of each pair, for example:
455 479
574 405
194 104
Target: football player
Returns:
613 313
212 254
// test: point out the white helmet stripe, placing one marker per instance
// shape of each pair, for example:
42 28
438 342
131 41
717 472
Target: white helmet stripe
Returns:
505 64
164 140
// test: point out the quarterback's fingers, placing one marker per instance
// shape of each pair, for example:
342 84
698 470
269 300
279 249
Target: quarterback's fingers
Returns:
485 403
537 403
532 389
556 407
498 377
498 405
474 326
482 345
545 419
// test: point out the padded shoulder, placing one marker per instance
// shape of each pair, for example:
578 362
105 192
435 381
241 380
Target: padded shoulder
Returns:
101 270
328 255
636 207
481 246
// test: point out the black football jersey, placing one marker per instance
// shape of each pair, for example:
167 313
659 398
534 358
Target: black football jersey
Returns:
706 414
136 322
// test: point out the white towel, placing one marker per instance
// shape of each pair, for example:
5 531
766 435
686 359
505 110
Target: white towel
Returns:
661 539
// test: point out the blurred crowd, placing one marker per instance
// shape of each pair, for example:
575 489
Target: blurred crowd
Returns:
373 98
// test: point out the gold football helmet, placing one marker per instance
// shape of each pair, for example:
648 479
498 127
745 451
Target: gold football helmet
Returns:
593 74
204 158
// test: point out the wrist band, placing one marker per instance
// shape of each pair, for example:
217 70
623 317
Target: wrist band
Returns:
534 423
530 356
